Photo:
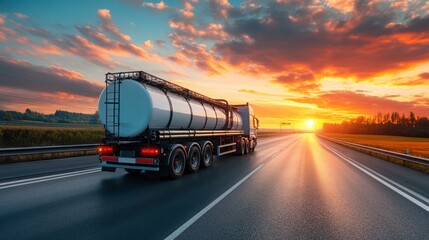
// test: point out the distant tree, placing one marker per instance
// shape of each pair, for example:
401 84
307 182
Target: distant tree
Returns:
59 116
386 118
386 124
412 120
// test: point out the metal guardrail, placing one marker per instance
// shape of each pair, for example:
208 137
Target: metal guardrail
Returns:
387 153
6 152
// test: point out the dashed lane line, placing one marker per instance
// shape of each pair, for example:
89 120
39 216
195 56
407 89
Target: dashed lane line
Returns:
28 181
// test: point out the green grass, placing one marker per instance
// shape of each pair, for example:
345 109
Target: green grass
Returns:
28 136
412 145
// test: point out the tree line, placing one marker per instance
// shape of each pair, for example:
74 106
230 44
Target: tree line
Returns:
383 124
58 117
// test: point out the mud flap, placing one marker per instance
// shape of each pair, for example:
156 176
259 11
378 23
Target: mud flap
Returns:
108 169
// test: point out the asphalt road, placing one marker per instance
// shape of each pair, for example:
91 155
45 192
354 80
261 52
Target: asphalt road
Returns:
291 187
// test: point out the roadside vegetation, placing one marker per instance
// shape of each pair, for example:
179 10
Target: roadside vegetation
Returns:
29 136
57 117
408 145
383 124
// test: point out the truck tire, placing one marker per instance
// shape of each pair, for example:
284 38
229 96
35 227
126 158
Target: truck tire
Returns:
133 171
206 156
246 146
176 163
252 145
193 160
240 147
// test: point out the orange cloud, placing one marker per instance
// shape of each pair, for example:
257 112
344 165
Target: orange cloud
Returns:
108 25
364 43
347 102
93 44
82 47
148 45
62 72
191 53
298 81
211 31
6 33
23 52
187 11
342 5
421 80
47 48
220 8
160 6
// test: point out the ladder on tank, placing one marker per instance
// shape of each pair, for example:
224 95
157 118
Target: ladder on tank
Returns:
113 92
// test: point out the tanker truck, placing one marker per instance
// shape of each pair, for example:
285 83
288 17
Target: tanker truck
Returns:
157 126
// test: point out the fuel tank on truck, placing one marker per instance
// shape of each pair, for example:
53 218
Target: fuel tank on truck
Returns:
140 106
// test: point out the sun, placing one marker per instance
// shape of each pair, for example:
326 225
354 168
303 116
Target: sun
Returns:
310 123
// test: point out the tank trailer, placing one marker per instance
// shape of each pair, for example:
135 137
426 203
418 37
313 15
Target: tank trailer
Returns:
154 125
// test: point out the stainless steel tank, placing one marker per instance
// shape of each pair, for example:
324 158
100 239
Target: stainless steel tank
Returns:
142 106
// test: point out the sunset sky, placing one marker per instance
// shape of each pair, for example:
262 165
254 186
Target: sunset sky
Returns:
293 60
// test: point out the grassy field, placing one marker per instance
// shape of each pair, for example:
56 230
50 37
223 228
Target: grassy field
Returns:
27 136
415 146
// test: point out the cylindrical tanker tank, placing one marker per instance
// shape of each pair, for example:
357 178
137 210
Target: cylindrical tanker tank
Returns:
143 106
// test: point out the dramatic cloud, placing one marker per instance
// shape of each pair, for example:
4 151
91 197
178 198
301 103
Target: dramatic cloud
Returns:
97 44
356 103
189 36
194 54
424 76
108 25
187 10
220 8
358 40
302 41
22 75
306 51
421 80
298 81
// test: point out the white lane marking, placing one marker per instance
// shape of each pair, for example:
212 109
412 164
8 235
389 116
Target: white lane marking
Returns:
47 178
386 181
187 224
421 197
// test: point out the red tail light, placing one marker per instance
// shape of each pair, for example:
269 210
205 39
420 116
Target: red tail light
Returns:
149 151
105 150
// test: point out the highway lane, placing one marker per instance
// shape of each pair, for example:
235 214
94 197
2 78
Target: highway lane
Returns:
308 192
301 190
23 170
16 171
87 205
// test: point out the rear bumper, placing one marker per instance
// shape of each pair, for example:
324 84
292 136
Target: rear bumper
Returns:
118 165
139 163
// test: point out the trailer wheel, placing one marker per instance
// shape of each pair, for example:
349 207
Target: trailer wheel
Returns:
193 160
207 156
240 147
252 145
133 171
246 146
176 165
